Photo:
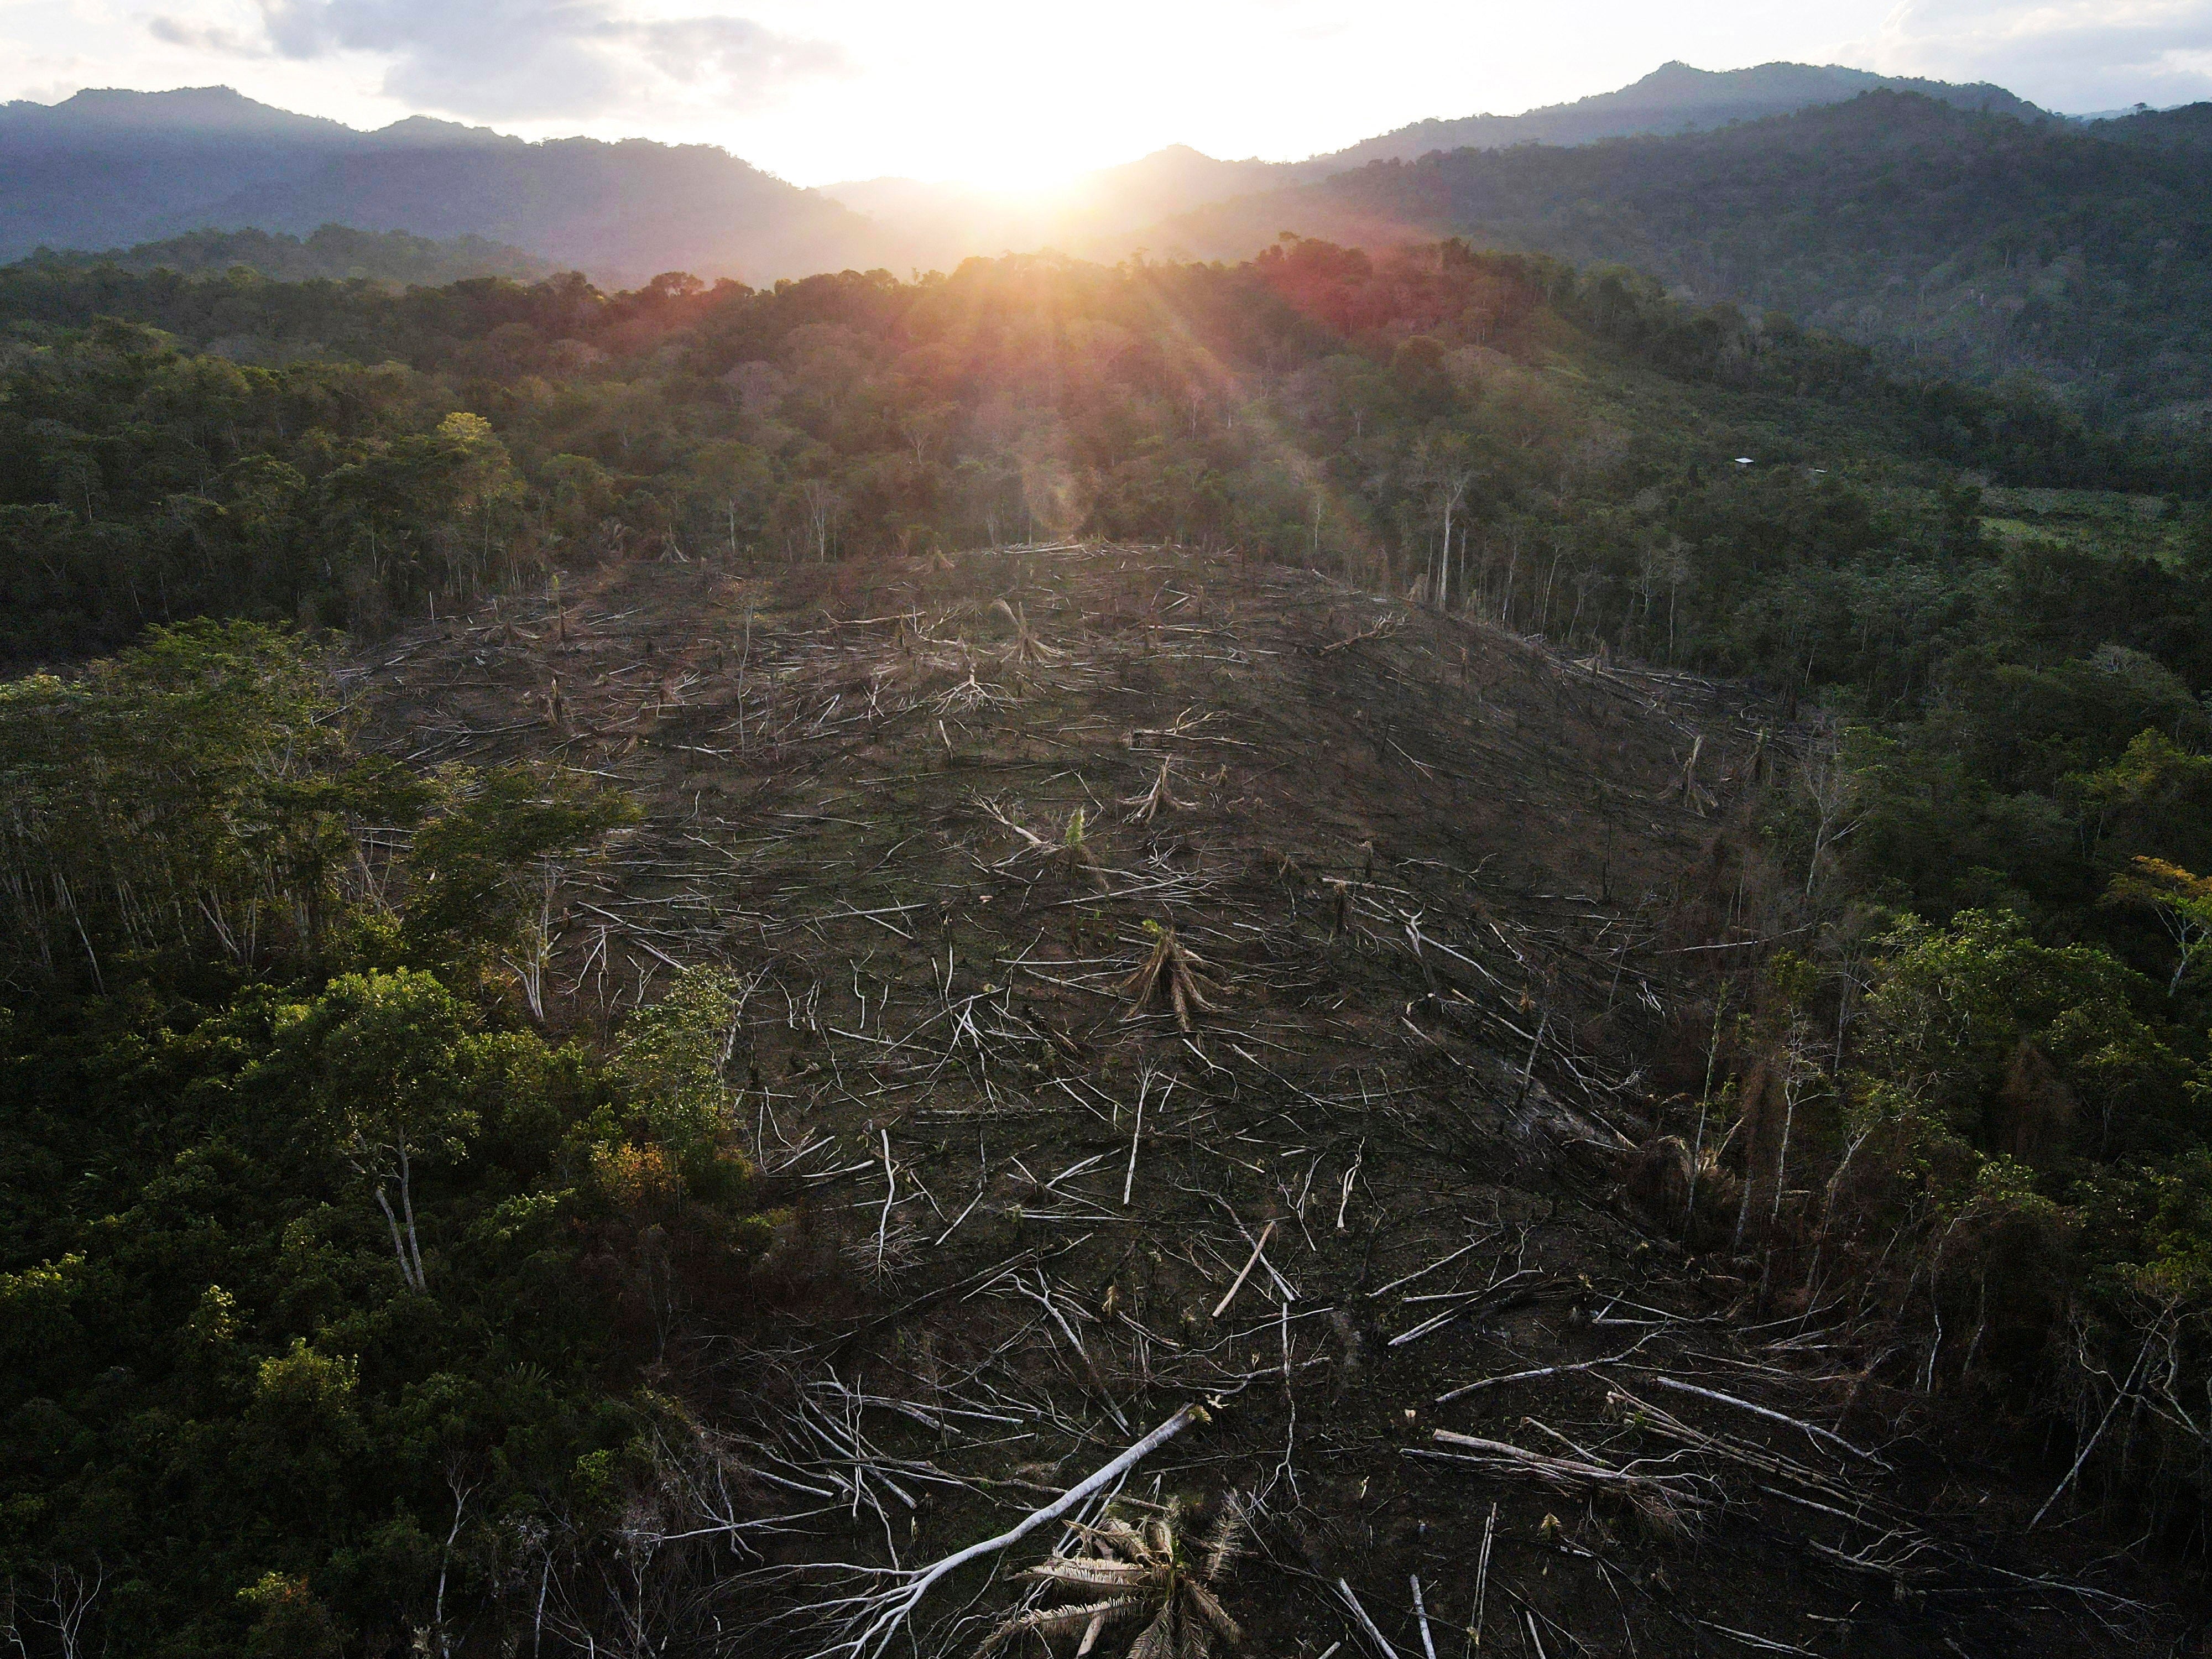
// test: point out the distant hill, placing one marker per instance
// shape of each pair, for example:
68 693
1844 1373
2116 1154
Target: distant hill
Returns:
336 251
108 168
1987 244
2187 128
1674 98
621 211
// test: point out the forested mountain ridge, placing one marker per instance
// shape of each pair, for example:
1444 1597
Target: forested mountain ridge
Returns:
729 1044
1674 98
2189 127
332 252
1980 245
622 210
104 168
107 167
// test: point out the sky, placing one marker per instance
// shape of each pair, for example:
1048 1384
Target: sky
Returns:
1015 93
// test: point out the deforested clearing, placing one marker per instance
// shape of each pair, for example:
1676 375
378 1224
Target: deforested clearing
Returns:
1223 1049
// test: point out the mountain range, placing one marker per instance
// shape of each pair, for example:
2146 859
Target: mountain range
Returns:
1960 224
1985 244
105 168
1674 98
109 168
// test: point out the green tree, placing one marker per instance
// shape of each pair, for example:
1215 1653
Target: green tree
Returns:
672 1059
291 1621
486 871
2183 903
1971 1020
196 786
384 1058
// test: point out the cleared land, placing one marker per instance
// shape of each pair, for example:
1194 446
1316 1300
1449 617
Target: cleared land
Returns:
1172 981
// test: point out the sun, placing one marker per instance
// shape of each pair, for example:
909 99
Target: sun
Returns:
1034 171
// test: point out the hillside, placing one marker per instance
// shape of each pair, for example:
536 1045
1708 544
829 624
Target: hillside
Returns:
330 253
1674 98
1979 245
107 168
1284 405
1368 1193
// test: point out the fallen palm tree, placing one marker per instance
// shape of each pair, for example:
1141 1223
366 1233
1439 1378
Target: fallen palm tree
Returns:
1170 971
870 1621
1146 1571
1026 645
1157 799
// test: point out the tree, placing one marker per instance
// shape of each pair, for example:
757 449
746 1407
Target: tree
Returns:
2183 904
2155 798
197 786
732 480
293 1622
1442 467
1976 1021
384 1054
822 508
486 873
670 1062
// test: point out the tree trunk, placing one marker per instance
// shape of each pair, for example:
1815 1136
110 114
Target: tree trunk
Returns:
407 1205
398 1248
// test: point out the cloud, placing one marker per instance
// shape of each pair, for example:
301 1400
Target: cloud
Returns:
2074 55
199 37
735 49
516 60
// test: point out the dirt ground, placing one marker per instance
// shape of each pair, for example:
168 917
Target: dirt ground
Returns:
1105 913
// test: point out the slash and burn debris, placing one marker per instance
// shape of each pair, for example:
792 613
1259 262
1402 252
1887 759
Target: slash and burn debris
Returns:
1197 993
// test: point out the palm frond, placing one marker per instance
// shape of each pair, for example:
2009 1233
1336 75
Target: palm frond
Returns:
1192 1639
1213 1613
1226 1543
1057 1621
1158 1639
1092 1570
1142 1560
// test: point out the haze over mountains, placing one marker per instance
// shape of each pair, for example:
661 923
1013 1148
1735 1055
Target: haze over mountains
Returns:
333 253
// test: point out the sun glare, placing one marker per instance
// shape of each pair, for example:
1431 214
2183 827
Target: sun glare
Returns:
1028 171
